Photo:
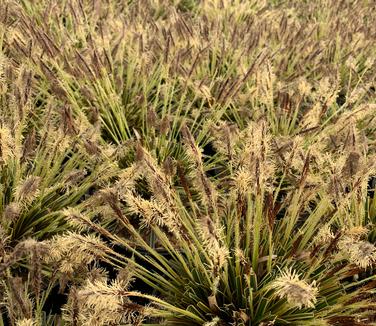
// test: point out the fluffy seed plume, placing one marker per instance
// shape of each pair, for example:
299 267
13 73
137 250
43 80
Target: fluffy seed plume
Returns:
11 212
358 252
100 303
26 322
297 292
29 188
325 235
6 144
71 251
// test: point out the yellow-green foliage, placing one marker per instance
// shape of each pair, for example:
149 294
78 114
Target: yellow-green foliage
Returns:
221 153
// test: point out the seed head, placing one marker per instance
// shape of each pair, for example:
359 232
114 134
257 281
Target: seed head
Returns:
243 180
304 87
100 303
29 188
72 251
351 63
11 212
214 322
297 292
360 253
6 144
363 254
324 235
351 166
25 322
369 62
357 232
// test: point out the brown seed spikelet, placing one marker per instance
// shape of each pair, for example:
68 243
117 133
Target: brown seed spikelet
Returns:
352 165
29 188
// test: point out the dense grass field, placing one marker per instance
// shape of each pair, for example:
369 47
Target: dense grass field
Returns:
187 162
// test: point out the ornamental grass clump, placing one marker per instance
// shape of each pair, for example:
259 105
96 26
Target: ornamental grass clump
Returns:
141 70
244 251
44 168
187 162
